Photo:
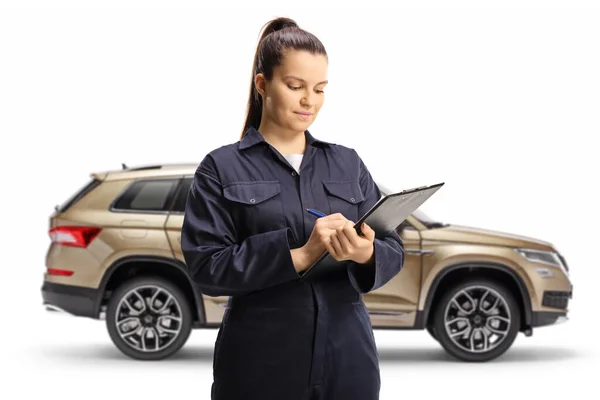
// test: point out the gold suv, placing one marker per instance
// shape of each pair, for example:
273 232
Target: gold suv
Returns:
115 255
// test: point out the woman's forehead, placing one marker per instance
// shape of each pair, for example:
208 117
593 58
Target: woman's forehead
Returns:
303 66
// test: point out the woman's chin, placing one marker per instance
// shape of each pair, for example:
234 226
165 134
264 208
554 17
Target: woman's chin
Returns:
301 125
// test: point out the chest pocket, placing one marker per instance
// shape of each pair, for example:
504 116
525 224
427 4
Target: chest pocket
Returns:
256 206
344 197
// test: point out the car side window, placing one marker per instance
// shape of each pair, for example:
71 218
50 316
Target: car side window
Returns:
147 195
182 195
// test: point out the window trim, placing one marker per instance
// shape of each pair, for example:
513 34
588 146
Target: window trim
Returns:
178 191
83 191
169 201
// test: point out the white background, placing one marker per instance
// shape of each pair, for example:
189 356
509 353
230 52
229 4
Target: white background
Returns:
500 100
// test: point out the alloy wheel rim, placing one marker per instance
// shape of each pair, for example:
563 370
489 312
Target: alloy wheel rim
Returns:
477 319
148 318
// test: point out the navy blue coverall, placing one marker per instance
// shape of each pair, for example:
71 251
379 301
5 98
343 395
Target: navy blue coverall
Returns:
281 339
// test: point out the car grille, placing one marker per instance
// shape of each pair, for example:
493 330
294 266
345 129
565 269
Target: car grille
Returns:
556 299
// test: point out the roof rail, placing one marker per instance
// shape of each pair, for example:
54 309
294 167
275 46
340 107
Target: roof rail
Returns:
140 168
144 167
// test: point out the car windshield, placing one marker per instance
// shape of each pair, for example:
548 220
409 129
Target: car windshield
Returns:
418 214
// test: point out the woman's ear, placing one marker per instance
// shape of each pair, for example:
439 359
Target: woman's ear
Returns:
260 83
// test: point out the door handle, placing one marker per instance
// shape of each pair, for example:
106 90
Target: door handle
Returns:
420 252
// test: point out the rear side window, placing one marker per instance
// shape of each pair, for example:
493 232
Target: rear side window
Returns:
78 195
147 195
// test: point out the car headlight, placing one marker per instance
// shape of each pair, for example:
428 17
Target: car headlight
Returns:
544 257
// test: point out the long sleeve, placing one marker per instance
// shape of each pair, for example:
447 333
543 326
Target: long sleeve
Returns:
220 263
388 250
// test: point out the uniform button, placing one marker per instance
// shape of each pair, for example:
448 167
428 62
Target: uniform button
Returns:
252 200
293 173
352 200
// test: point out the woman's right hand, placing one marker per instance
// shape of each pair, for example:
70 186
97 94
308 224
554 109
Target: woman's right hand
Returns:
321 235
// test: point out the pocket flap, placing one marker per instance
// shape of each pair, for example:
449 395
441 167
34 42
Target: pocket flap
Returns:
251 192
349 191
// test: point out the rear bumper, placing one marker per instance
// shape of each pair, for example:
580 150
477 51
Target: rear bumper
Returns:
75 300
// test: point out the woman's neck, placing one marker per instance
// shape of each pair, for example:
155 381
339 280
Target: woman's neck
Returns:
286 142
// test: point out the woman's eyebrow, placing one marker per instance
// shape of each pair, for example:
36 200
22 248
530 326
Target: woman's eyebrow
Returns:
302 80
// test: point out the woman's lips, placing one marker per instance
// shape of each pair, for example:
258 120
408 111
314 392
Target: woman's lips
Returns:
304 115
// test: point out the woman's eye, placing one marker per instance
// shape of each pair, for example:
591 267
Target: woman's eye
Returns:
300 87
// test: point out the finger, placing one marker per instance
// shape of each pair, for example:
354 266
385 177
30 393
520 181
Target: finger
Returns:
330 249
368 232
335 243
350 234
338 216
330 223
333 217
337 224
344 241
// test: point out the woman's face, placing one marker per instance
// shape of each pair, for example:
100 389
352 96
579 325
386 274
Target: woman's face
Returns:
293 98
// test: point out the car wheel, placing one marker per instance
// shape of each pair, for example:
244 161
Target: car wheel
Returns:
476 320
148 318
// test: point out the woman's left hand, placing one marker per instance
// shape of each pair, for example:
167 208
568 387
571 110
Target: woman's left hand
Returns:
346 244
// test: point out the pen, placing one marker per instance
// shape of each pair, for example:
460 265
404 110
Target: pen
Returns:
315 212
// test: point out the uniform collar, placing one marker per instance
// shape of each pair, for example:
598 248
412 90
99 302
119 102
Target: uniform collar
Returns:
253 137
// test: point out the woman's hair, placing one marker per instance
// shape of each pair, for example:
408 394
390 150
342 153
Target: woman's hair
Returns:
277 36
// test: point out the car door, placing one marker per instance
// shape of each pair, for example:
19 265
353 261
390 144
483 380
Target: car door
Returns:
214 307
138 214
395 303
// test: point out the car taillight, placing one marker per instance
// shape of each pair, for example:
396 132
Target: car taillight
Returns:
59 272
76 236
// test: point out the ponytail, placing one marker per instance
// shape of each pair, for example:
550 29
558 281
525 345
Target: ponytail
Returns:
277 35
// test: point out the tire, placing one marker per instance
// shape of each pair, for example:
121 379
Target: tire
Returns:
499 317
148 321
432 332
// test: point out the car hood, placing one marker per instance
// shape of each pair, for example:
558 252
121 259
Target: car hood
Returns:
468 234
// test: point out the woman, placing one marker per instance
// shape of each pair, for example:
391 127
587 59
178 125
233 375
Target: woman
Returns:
246 234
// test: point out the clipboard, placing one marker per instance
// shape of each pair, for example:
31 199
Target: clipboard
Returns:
385 216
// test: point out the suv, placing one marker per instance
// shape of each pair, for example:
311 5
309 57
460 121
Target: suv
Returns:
115 255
